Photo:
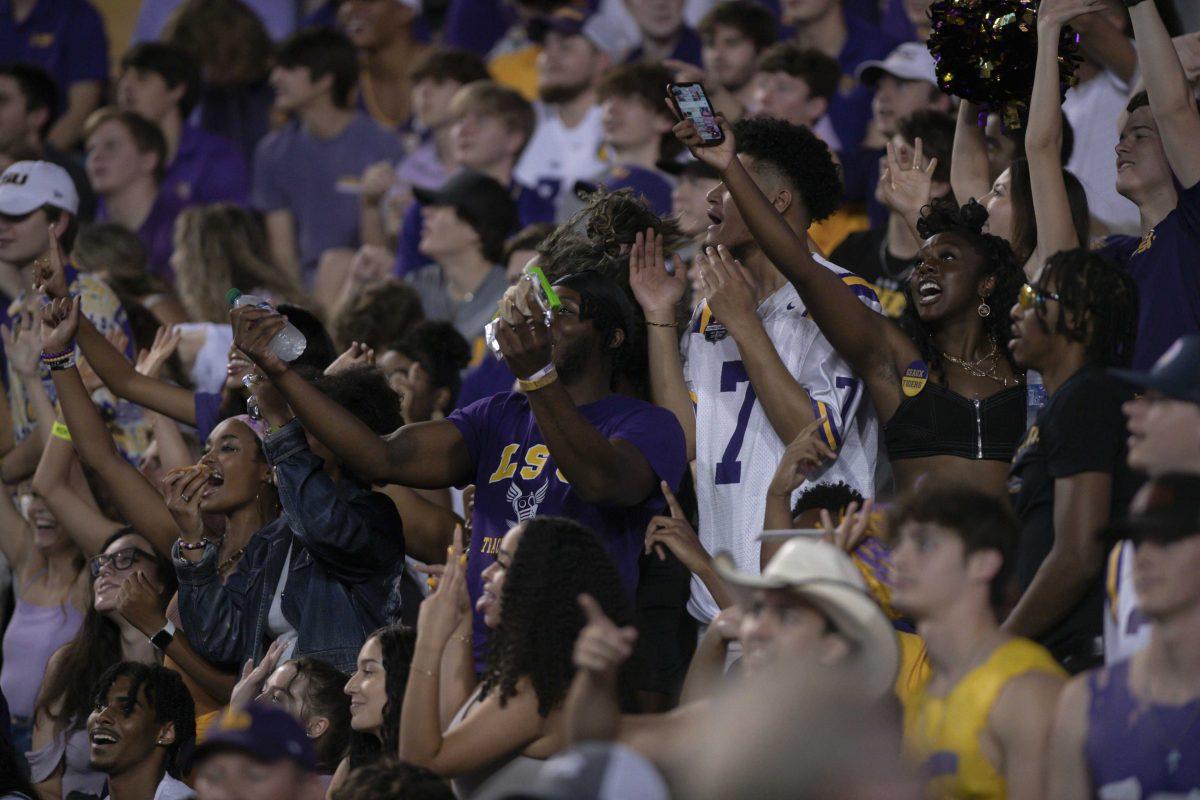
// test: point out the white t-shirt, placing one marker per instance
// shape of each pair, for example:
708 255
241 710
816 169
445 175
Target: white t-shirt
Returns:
277 624
557 156
737 450
1094 109
1126 631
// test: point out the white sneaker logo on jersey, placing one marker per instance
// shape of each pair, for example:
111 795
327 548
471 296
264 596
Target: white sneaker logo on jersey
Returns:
525 504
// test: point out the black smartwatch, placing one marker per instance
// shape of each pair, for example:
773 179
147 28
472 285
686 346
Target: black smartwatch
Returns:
162 640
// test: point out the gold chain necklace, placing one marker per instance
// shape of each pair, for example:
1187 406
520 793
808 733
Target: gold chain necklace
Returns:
974 368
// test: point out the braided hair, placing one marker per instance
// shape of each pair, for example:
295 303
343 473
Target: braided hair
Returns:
996 259
558 559
397 643
1102 299
166 696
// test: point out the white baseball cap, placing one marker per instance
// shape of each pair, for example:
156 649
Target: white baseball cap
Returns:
826 577
910 61
28 185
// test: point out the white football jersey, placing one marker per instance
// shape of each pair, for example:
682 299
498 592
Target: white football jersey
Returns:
557 156
1126 630
737 450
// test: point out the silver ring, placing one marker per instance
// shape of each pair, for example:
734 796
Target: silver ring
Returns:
187 498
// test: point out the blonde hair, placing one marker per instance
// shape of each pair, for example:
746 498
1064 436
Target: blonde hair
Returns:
223 247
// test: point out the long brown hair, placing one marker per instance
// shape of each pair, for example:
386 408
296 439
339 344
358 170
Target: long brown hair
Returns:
224 247
226 36
95 648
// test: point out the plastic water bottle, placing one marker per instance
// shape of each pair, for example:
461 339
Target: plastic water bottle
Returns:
289 343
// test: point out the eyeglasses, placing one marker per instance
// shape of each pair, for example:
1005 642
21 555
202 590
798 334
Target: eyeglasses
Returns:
1033 297
121 560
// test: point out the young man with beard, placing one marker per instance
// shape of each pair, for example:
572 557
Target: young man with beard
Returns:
1164 437
1156 154
565 146
754 369
564 445
143 720
1129 729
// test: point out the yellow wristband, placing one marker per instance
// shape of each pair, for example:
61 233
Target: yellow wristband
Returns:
540 383
61 431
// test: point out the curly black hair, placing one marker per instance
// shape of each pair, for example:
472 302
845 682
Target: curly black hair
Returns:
1103 300
441 351
996 259
611 221
833 497
397 642
799 156
166 696
366 394
557 560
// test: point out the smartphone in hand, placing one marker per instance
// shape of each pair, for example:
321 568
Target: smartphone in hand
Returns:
691 101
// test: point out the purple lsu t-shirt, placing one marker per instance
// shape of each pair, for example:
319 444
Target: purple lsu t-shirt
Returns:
516 478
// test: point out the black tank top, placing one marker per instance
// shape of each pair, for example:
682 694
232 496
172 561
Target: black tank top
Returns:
941 422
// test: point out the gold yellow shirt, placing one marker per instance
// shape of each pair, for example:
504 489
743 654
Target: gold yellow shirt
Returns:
942 734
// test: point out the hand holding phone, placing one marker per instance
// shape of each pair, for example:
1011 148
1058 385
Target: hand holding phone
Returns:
691 102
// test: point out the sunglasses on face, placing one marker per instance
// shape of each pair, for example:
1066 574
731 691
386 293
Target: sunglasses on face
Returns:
120 560
1033 297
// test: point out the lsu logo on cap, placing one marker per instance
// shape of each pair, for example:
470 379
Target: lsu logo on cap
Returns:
915 378
15 178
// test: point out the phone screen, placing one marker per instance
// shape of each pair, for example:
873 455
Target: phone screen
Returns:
693 103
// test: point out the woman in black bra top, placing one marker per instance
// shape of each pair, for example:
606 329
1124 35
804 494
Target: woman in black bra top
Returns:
943 379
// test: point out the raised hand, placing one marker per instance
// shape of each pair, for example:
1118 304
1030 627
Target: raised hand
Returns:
371 263
49 274
253 330
377 180
727 287
60 323
140 604
907 189
675 533
250 684
526 346
657 291
729 622
1056 13
718 156
166 341
183 490
602 647
23 345
356 355
801 459
443 610
848 533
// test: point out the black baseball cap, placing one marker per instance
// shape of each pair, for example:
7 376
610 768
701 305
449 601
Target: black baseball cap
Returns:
478 198
1168 509
1176 374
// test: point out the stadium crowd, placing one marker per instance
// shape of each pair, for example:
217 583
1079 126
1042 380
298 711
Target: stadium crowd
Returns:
406 400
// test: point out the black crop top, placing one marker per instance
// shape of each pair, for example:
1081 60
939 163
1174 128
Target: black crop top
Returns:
941 422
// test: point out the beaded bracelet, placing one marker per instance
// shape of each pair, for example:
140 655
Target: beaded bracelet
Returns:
200 545
63 360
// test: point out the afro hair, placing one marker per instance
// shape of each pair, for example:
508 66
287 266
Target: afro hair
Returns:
798 155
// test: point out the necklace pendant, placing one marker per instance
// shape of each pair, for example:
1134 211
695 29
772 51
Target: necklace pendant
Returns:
1173 758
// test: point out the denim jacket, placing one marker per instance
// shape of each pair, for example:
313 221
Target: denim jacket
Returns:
347 547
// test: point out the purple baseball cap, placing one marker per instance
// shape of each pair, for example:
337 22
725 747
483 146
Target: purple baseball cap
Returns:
263 732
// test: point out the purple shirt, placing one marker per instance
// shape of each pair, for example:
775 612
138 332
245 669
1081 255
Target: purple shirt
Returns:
1139 749
516 478
298 172
207 169
157 233
1164 267
64 37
